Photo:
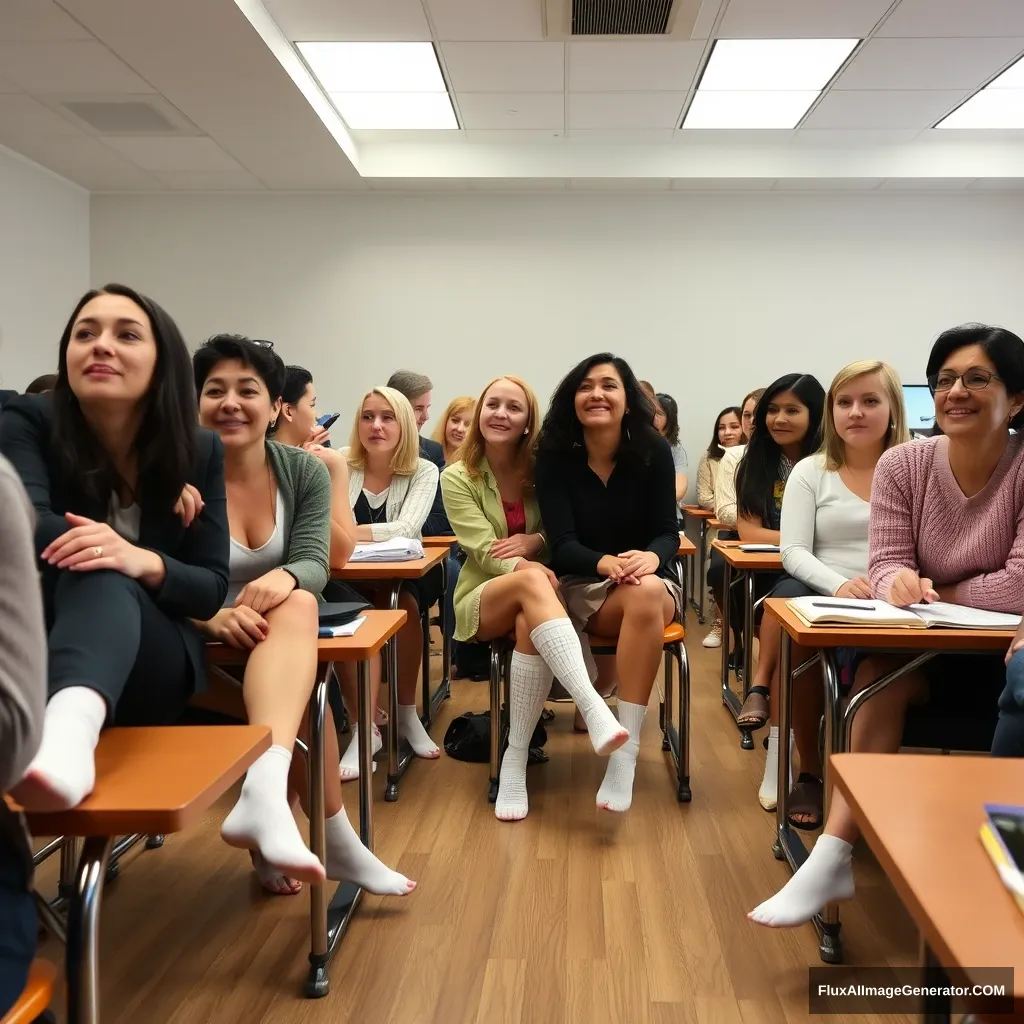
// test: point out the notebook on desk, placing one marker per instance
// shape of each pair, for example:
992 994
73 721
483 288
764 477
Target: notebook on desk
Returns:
848 611
1003 838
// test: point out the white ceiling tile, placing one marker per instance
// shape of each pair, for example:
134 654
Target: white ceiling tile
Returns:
529 110
997 184
631 66
210 181
899 109
855 138
705 22
71 68
634 110
505 67
177 154
620 184
928 63
955 18
517 184
722 184
351 21
827 184
37 21
6 87
801 19
621 136
515 137
417 136
486 20
21 115
87 162
419 184
925 184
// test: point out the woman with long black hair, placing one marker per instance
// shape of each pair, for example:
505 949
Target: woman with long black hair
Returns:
105 459
606 488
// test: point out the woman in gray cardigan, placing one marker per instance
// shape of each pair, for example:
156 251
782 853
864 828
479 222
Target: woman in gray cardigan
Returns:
279 513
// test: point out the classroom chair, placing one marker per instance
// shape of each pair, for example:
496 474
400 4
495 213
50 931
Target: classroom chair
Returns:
33 1004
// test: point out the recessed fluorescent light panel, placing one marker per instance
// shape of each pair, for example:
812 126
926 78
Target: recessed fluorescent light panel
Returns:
383 85
998 107
764 83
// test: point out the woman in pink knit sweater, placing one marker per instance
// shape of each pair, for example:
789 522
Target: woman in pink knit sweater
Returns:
947 524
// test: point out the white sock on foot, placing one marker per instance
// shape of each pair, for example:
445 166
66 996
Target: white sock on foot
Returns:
529 685
348 766
262 819
616 792
826 876
559 645
768 794
410 729
349 861
63 772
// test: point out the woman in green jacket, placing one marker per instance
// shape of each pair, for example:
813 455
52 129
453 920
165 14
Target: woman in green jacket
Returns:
505 586
279 514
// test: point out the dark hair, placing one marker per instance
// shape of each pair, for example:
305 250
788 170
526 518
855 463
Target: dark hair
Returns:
715 449
263 361
165 444
759 467
562 430
41 385
671 411
296 380
1004 348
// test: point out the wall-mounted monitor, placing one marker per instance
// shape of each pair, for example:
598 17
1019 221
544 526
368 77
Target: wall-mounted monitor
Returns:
920 408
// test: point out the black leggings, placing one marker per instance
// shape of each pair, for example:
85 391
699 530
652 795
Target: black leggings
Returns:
107 633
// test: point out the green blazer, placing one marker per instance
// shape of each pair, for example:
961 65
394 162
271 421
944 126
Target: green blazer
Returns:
476 515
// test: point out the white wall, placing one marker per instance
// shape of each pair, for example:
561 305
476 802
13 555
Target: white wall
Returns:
707 296
44 265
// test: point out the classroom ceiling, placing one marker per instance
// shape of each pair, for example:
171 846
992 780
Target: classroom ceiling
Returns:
212 96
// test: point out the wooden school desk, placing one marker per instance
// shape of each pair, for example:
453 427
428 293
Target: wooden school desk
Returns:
745 564
394 574
684 557
921 645
330 918
702 516
920 814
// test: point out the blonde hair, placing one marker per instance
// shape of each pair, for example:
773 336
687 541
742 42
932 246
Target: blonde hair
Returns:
832 445
406 456
472 450
456 405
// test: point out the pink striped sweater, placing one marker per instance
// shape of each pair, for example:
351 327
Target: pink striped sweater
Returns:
921 520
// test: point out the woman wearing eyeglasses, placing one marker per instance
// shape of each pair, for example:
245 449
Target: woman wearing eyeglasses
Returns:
947 524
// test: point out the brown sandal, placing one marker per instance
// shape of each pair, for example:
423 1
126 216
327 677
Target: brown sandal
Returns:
806 799
754 712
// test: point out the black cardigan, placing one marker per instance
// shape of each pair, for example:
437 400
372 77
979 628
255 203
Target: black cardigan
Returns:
196 560
584 519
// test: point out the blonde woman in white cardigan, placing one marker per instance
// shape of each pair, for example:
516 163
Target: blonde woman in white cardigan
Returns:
391 491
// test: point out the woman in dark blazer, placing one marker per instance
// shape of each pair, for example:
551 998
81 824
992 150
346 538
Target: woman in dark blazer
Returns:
109 460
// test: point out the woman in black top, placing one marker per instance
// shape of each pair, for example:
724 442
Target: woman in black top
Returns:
606 488
105 458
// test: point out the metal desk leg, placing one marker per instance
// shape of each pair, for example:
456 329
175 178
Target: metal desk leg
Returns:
317 982
82 954
445 689
365 755
701 584
425 666
749 579
394 768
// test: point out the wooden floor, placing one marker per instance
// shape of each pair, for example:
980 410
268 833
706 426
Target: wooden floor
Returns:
571 915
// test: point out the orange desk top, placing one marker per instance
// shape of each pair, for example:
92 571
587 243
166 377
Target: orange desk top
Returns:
716 524
412 570
440 542
920 814
697 512
686 546
882 637
157 780
747 560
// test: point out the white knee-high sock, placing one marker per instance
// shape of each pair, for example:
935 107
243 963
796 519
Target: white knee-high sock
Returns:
63 772
410 728
826 876
616 792
349 861
262 819
529 685
768 794
559 645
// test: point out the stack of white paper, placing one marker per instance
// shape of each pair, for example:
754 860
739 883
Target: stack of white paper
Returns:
348 629
398 549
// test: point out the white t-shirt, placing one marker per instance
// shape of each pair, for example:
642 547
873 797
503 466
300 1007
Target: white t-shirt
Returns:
824 527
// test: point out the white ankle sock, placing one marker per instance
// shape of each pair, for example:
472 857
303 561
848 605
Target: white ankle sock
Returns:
559 645
768 794
616 792
349 861
348 766
410 729
63 772
262 819
826 876
529 685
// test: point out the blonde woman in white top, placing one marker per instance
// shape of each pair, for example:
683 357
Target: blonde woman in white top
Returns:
391 491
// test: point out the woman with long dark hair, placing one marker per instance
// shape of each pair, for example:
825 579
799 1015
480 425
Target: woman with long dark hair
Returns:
666 422
606 490
105 459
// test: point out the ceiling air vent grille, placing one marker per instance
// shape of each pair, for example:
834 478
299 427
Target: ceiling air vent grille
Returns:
131 117
621 17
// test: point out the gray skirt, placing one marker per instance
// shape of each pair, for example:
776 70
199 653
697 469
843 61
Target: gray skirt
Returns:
584 596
